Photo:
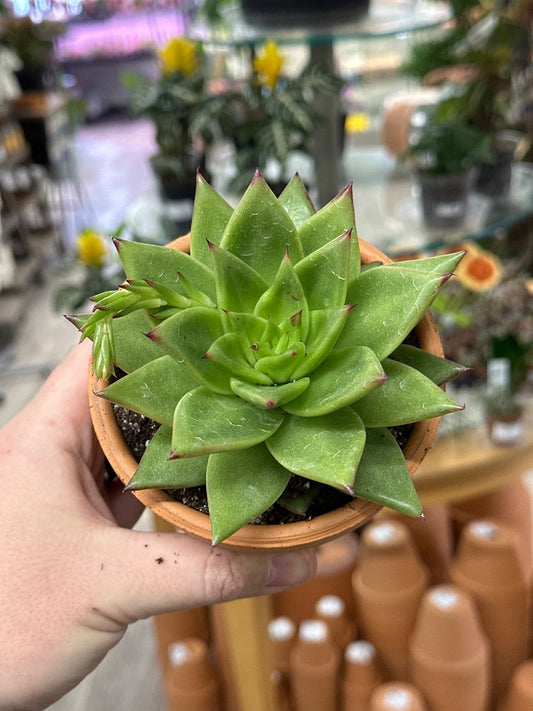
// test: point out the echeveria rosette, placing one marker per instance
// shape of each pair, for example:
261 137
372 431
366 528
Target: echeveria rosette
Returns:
272 353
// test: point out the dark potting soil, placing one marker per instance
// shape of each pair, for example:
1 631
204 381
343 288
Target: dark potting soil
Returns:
138 430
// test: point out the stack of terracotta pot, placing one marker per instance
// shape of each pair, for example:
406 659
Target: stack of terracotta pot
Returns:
438 615
416 615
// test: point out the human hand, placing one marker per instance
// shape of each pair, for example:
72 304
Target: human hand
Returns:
71 577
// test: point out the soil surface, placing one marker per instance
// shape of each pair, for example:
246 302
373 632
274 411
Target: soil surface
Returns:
138 430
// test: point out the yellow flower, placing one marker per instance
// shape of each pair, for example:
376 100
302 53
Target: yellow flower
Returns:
92 249
479 270
179 55
268 64
357 122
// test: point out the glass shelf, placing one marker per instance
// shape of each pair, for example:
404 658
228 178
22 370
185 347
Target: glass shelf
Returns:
386 18
389 215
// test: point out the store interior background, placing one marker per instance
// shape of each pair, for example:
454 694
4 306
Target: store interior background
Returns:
106 180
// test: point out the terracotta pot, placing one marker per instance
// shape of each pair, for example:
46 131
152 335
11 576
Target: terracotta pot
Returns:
314 668
332 610
361 674
396 696
335 566
449 658
488 566
190 681
433 537
271 537
520 694
388 583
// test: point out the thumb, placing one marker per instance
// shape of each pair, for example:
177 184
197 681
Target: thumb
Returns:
144 574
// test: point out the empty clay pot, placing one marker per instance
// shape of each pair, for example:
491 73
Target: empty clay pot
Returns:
332 610
190 681
335 565
509 504
519 697
489 567
388 583
449 656
360 675
282 635
396 696
314 668
177 626
433 537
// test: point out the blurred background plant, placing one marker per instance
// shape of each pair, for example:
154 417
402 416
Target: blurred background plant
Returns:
94 269
447 147
482 65
33 43
487 313
274 115
185 113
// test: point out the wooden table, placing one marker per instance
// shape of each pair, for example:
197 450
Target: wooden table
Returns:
468 464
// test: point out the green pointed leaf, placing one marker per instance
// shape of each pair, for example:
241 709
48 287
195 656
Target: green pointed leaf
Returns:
238 285
389 303
325 449
156 471
300 501
344 377
250 330
153 390
162 265
284 298
440 263
335 218
260 214
325 327
187 337
439 370
210 216
228 351
295 199
383 477
132 348
280 367
205 422
323 274
240 486
407 396
268 396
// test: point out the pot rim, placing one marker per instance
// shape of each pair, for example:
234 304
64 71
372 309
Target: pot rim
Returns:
290 536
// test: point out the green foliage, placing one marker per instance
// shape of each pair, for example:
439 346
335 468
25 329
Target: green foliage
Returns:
448 147
185 114
271 122
32 42
262 370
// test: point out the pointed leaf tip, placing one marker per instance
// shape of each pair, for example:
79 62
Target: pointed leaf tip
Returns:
118 243
173 455
152 335
258 175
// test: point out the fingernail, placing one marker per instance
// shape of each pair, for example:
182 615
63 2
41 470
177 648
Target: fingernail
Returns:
288 569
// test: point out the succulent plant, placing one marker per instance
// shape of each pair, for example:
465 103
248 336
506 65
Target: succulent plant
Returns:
271 353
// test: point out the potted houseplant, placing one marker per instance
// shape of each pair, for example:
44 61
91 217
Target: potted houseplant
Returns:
275 365
33 43
183 111
274 116
483 64
444 155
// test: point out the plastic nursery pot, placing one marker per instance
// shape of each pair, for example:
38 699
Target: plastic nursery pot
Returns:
289 536
444 199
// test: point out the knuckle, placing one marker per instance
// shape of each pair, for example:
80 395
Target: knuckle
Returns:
224 577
